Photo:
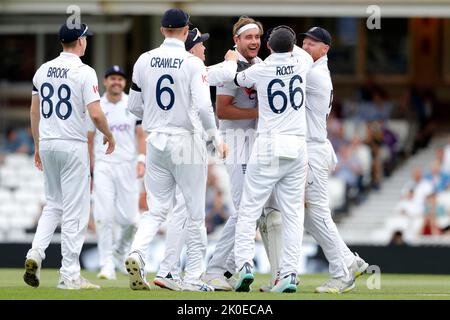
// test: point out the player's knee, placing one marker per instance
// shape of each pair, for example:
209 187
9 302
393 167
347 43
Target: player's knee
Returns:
273 219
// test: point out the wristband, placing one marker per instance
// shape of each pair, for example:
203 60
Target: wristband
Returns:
141 158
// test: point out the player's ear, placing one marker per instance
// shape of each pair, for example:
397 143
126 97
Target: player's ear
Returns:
162 31
235 39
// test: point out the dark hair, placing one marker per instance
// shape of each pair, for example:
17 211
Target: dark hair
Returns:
282 39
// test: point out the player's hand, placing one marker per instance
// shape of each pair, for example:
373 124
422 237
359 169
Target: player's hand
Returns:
140 169
222 150
231 55
37 160
111 144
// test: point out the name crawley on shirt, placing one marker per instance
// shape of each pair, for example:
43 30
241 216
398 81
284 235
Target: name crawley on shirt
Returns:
158 62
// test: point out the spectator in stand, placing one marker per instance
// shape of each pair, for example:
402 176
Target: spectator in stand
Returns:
446 158
336 133
217 212
432 210
374 139
421 188
26 137
397 239
14 143
349 170
422 102
437 177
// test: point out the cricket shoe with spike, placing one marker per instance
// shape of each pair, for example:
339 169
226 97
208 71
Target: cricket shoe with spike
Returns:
358 267
168 283
287 284
246 278
32 269
135 268
336 285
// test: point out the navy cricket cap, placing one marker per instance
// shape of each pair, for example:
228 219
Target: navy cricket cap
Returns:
195 37
115 70
319 34
282 39
71 33
175 18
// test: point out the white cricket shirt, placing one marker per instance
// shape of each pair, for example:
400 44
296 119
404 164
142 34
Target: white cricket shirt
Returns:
319 96
122 123
280 81
65 86
170 87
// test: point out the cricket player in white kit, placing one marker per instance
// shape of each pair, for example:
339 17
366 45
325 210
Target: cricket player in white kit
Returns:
344 266
237 111
170 92
116 184
175 237
63 89
279 157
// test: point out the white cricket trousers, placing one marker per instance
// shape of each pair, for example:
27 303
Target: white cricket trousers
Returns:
318 221
67 179
223 258
267 171
176 237
116 201
164 171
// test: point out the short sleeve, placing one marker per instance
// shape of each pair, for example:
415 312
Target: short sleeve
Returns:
248 77
227 89
90 86
35 89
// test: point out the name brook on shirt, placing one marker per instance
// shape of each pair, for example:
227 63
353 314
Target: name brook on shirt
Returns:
57 72
158 62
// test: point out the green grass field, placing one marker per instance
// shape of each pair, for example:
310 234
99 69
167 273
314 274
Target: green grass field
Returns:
393 286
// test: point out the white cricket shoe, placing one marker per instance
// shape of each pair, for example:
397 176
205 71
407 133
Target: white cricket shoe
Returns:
218 282
358 267
135 268
169 283
32 269
336 285
246 278
287 284
107 274
75 284
199 286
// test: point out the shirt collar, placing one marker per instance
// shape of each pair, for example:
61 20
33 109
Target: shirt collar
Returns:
322 60
173 42
69 55
279 56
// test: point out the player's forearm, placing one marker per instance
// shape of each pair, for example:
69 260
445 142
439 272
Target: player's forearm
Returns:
140 135
91 148
231 112
34 117
102 125
222 72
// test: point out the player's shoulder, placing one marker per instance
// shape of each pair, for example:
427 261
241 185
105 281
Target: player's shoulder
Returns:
194 61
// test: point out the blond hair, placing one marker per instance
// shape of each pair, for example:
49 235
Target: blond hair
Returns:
244 20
